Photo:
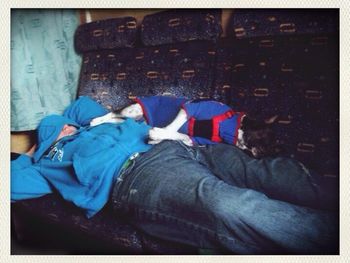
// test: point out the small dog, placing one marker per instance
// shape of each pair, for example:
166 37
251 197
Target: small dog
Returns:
200 122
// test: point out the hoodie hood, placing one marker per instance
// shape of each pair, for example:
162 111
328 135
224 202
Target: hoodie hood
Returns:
48 130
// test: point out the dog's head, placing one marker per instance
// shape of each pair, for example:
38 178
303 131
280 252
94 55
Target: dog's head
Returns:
133 111
258 137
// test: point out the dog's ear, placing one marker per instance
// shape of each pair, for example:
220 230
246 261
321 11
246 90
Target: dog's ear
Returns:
271 120
249 123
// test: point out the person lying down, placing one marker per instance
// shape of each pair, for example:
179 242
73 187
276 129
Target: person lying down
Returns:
198 122
213 196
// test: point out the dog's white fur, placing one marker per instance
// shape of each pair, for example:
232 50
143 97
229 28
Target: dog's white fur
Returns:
133 111
156 135
170 132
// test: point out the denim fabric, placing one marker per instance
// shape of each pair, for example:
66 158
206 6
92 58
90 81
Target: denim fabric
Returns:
201 196
279 178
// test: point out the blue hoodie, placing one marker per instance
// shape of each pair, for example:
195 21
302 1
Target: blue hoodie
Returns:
81 167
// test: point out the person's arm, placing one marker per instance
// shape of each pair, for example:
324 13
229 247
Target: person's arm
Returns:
83 110
26 180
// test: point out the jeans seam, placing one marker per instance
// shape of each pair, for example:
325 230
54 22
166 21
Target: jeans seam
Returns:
186 223
191 150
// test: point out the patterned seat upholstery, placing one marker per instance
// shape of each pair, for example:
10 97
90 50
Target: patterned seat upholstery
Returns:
292 77
114 77
175 26
106 34
250 23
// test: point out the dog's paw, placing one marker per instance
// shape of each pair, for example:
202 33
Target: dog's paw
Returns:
96 121
108 118
153 142
188 141
158 134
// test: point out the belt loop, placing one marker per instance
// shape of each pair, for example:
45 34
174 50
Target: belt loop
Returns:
127 165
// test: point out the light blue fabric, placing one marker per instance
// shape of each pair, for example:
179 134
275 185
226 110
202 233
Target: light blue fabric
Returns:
44 66
81 167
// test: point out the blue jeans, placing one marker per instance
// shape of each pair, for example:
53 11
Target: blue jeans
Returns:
203 196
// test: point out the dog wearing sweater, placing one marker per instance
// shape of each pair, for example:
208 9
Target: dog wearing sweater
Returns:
198 122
